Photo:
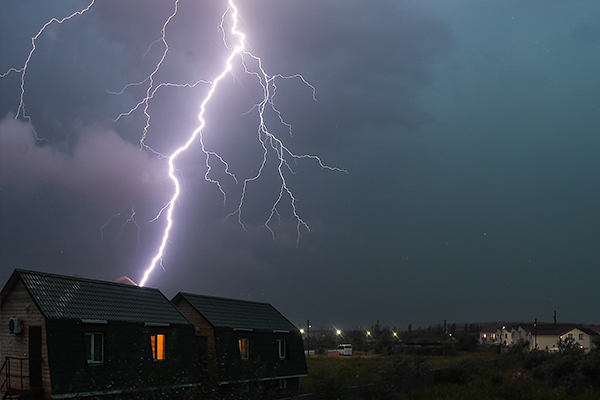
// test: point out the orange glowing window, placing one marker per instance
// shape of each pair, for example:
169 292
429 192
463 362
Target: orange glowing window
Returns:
244 348
158 346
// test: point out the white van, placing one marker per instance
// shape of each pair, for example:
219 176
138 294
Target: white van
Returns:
344 349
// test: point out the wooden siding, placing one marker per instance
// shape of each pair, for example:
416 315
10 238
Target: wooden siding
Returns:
19 304
264 361
128 363
203 329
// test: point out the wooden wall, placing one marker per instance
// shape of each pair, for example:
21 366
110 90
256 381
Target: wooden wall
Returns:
203 328
19 304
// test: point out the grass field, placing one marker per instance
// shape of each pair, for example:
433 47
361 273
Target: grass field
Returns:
510 381
507 382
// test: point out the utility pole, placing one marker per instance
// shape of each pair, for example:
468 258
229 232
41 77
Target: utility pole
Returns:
307 338
535 333
444 341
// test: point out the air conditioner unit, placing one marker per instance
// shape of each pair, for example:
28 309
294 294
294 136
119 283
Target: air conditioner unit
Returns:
15 326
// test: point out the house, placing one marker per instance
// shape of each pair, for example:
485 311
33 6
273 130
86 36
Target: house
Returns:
582 336
489 334
539 336
250 344
69 337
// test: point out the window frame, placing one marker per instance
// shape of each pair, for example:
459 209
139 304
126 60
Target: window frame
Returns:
282 348
158 345
91 347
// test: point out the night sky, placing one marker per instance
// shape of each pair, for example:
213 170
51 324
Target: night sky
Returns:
469 130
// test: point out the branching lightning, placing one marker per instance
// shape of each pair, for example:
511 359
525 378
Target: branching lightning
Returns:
269 143
265 137
23 69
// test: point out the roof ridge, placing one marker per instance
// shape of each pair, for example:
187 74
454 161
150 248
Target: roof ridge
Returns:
81 278
225 298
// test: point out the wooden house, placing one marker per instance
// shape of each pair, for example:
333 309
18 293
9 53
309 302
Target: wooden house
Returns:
251 345
65 337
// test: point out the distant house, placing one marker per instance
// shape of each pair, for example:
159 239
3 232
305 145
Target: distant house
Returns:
540 336
489 334
582 336
66 337
252 346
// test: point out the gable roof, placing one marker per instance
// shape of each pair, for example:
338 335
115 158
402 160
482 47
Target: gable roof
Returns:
65 297
242 314
583 329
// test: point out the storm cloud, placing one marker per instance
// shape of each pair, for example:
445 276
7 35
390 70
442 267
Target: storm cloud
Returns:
468 130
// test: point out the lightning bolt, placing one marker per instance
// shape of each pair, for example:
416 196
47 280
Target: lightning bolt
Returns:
267 139
269 143
130 219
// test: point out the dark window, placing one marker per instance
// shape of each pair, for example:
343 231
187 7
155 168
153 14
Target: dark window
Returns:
158 346
282 344
94 348
581 336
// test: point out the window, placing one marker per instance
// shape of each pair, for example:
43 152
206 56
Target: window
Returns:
158 346
282 344
244 348
581 336
570 336
94 348
282 384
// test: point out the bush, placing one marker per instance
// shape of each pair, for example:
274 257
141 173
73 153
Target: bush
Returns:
456 374
570 368
467 343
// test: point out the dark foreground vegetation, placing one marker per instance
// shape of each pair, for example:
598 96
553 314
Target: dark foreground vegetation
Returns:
413 373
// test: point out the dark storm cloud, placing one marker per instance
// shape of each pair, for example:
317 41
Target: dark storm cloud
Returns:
468 130
366 62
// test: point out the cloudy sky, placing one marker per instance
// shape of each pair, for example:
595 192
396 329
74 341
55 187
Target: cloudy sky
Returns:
469 130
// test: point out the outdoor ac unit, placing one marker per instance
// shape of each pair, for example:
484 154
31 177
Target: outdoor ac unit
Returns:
15 326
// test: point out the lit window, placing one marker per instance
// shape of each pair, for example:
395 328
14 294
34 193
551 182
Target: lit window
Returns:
485 336
282 348
158 346
244 348
94 348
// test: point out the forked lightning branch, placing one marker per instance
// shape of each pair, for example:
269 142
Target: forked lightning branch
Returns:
234 41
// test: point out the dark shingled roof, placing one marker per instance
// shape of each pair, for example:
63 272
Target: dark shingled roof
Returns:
67 297
230 313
